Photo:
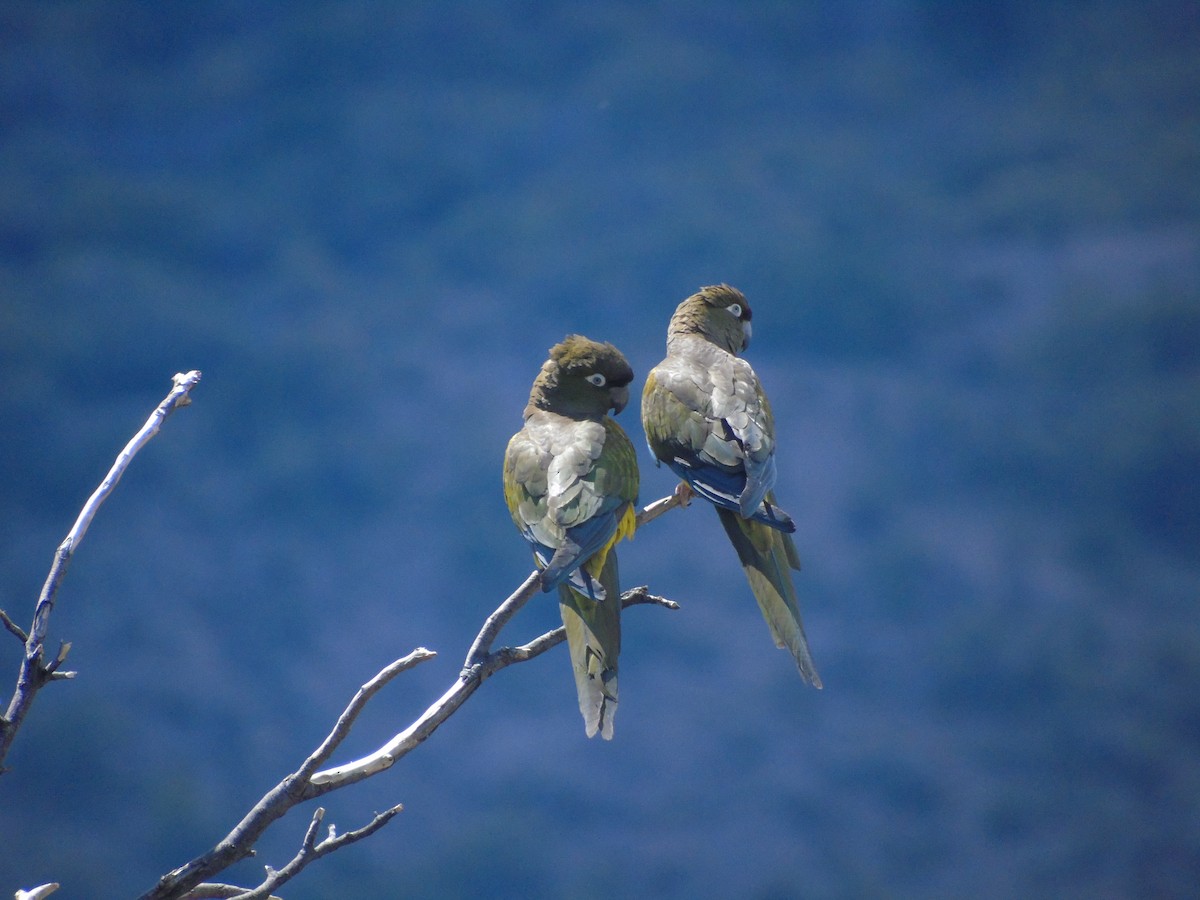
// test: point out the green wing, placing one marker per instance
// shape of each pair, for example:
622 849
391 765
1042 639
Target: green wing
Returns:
674 418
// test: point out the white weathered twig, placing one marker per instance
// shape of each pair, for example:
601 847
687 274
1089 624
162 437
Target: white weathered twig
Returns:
34 672
37 893
482 644
216 891
310 851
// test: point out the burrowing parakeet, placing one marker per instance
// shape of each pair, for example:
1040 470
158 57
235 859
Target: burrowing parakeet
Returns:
571 484
706 416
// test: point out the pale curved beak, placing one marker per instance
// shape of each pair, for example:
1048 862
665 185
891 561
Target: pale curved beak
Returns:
619 397
746 332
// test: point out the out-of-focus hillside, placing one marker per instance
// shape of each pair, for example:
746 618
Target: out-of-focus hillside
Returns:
972 242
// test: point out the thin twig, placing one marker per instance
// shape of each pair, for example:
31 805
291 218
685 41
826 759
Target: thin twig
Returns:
346 720
506 656
482 644
310 851
210 890
681 496
52 668
34 674
408 739
13 627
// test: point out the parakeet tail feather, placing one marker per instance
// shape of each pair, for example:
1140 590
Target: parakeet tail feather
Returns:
594 640
767 556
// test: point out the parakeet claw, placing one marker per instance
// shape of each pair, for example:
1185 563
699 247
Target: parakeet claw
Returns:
684 492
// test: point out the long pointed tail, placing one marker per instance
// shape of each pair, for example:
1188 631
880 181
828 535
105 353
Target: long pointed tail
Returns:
594 640
767 555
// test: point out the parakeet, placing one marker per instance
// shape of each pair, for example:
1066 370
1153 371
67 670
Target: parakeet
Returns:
706 416
571 484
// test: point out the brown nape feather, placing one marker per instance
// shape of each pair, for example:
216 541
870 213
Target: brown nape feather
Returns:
707 314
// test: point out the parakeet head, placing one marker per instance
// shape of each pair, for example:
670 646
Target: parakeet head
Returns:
718 312
582 379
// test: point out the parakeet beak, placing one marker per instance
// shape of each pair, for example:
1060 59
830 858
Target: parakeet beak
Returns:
619 396
746 331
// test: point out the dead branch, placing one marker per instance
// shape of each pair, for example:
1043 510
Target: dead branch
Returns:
310 850
239 843
307 783
34 673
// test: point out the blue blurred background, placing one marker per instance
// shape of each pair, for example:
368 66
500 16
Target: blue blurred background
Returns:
971 236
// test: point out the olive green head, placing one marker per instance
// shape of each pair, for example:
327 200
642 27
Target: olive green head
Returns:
719 313
582 379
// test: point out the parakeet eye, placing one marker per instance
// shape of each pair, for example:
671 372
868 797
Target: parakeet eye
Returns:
597 379
735 309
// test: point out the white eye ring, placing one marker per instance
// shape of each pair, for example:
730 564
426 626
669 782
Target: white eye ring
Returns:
597 379
735 309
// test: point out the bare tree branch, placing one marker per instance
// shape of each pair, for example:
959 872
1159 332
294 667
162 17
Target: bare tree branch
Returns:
34 674
294 789
306 783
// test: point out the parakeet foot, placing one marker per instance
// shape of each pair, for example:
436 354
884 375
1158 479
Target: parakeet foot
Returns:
684 492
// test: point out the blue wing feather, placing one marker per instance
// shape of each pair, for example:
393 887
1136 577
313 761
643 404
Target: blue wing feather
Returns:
582 542
760 478
724 487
